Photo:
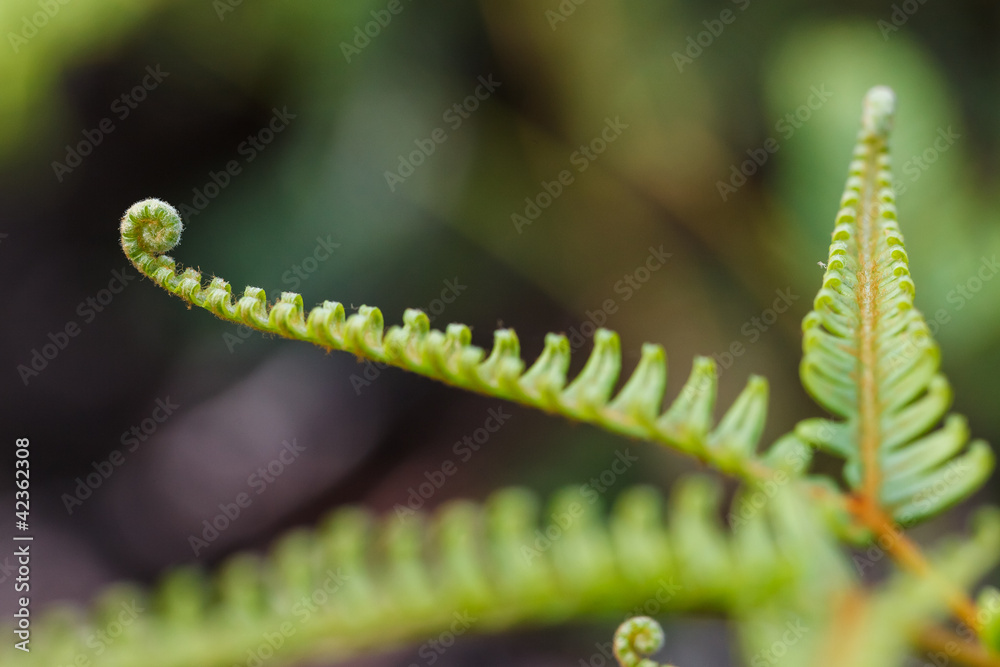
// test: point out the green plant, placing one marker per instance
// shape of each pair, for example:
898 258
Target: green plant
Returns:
782 574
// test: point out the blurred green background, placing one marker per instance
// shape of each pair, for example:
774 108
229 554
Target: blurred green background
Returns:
687 95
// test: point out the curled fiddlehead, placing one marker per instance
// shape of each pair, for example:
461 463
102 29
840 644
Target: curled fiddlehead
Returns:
637 638
152 227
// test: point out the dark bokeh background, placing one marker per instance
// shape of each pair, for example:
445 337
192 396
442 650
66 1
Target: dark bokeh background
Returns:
323 177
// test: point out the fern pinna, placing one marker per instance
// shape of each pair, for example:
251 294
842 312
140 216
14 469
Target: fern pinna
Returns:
782 573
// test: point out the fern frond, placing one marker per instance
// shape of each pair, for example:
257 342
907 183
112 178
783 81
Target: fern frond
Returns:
152 227
869 357
360 585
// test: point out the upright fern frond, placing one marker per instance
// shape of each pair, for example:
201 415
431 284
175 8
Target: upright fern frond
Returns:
152 227
870 358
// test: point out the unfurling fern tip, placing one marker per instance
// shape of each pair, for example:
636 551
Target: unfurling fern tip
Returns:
152 225
637 638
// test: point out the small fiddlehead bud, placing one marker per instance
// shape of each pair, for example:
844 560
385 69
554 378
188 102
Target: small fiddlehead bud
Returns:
878 111
637 638
151 226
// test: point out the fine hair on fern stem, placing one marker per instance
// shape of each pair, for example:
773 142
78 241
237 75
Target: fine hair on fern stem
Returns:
152 227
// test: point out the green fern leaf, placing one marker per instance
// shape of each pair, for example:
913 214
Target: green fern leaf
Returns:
357 585
869 357
152 227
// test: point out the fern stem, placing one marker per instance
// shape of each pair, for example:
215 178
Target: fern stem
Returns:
869 440
876 122
847 624
908 555
948 643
